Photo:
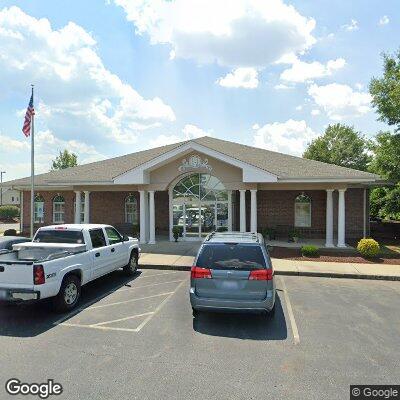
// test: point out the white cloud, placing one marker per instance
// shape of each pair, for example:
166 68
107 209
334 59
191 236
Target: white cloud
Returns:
340 101
352 26
189 132
301 71
246 78
315 112
282 86
78 95
47 148
384 20
299 108
290 137
247 33
192 132
359 86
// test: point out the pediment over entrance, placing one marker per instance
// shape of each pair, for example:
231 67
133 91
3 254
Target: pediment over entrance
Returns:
189 157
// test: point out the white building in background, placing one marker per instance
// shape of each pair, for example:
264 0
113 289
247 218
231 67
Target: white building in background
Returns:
10 197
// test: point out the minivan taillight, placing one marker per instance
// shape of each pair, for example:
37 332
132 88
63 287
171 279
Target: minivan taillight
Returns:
38 275
261 275
200 273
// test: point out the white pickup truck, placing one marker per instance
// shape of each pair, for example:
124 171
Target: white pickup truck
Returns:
62 258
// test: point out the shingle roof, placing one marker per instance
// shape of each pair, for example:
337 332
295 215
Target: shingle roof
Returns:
282 165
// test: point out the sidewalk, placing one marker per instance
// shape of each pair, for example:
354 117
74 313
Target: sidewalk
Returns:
285 267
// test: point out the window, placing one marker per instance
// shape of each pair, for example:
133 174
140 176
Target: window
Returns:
113 235
97 238
302 211
231 255
39 209
82 217
58 209
59 236
131 216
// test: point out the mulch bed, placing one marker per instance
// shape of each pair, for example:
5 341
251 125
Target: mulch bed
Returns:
328 256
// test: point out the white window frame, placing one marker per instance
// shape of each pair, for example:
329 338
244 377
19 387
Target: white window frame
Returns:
82 219
306 218
134 213
38 200
58 209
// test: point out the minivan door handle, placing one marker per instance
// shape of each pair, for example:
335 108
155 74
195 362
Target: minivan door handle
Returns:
97 255
112 250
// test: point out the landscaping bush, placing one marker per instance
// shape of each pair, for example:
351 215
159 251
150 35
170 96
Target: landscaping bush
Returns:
8 213
368 247
268 233
176 230
309 251
10 232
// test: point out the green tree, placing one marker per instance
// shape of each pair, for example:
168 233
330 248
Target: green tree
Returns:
385 91
340 145
64 160
385 201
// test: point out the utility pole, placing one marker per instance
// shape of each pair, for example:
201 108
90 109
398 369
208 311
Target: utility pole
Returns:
1 189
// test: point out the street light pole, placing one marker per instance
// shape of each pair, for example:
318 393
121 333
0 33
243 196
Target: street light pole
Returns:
1 189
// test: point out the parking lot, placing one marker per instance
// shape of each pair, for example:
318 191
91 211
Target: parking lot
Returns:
136 338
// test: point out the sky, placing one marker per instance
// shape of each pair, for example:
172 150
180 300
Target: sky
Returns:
117 76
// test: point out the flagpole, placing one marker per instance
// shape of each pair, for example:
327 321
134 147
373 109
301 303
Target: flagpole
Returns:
32 171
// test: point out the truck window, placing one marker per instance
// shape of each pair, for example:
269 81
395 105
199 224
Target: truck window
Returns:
113 235
59 236
97 238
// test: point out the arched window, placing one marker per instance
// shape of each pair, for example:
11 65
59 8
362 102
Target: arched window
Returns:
131 215
302 211
39 209
58 209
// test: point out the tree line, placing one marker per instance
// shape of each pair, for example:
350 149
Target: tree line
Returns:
343 145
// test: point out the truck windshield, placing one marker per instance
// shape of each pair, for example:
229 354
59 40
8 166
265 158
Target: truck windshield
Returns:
59 236
231 255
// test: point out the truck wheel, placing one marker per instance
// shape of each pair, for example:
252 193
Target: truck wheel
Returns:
69 294
131 268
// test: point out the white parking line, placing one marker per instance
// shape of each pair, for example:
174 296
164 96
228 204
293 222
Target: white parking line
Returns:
126 301
159 307
151 284
293 324
162 273
123 319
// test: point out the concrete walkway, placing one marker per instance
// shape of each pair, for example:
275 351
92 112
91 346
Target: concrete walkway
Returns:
180 256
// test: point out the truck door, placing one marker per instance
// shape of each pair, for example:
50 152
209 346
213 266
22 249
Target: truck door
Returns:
100 252
117 249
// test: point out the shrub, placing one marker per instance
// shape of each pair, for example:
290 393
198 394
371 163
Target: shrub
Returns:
10 232
176 230
368 247
268 233
309 251
9 212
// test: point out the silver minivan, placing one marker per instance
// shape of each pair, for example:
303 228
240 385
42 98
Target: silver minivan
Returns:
233 273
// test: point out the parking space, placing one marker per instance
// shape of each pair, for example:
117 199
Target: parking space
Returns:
130 307
136 338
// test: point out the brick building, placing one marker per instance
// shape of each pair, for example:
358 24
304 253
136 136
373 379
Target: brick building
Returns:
205 184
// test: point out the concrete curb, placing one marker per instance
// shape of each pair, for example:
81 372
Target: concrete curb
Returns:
290 273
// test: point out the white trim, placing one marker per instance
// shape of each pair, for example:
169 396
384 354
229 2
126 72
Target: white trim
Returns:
140 174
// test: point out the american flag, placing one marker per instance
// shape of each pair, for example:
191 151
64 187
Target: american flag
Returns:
30 112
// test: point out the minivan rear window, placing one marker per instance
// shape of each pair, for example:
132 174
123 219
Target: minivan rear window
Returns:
59 236
228 256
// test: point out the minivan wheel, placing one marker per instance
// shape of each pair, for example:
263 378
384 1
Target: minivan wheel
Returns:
132 266
69 294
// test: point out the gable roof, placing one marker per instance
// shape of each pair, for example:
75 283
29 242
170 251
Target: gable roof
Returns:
284 166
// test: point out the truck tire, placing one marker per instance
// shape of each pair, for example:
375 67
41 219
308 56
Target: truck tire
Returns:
69 294
131 268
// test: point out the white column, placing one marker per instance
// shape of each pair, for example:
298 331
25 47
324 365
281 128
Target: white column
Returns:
152 218
253 210
142 220
341 219
171 215
86 210
329 218
77 207
242 210
229 210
